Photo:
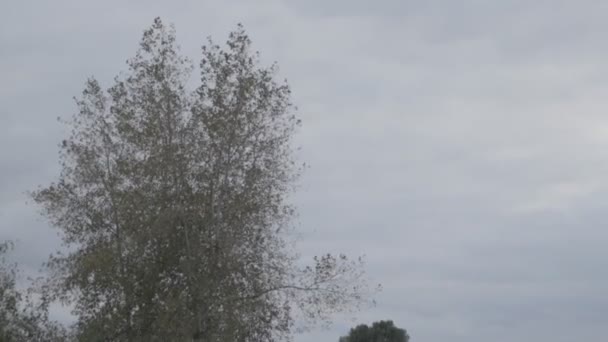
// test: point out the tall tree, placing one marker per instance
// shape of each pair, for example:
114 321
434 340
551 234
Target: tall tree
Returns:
174 204
382 331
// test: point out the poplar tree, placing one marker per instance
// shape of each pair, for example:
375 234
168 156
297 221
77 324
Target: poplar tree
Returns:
174 204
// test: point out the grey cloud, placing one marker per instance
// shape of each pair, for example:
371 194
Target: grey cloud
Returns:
459 145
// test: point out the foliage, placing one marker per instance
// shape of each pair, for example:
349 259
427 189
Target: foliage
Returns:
21 319
174 204
382 331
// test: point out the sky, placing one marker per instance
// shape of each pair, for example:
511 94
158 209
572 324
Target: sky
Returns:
462 146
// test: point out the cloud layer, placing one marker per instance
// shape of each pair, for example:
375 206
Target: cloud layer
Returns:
462 146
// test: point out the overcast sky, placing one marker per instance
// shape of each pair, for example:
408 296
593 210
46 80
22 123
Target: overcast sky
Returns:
461 145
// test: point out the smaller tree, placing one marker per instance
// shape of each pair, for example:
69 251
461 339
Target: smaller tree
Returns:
382 331
21 318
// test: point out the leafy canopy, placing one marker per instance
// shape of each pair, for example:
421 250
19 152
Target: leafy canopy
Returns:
173 203
382 331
